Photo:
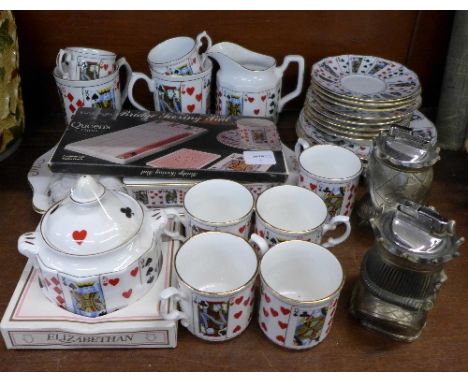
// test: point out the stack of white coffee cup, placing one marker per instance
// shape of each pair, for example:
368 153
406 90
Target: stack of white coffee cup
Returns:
180 76
88 77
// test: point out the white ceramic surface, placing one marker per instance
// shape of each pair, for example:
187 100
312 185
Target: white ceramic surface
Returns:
332 172
176 94
215 285
291 212
97 244
300 287
179 55
103 93
249 83
84 64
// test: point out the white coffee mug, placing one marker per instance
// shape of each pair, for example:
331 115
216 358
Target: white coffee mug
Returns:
177 94
215 205
85 64
300 286
103 93
332 172
215 274
179 56
290 212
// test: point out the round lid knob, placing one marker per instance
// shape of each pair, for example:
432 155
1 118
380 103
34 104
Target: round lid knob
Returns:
91 220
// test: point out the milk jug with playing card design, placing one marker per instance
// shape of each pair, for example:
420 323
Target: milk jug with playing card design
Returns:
249 83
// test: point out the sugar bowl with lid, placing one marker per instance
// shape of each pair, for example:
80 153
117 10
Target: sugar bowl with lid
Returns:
95 251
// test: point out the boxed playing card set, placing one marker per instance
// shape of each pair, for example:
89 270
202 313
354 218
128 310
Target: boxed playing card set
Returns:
161 145
31 321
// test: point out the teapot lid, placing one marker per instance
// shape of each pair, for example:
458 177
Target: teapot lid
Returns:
419 234
401 147
91 220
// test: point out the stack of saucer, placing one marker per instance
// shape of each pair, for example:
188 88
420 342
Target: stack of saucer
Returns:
352 98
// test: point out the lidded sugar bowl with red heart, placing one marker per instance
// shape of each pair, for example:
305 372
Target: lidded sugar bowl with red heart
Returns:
95 251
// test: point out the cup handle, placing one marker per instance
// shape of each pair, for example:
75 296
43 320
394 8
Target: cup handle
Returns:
164 297
199 41
175 234
135 77
332 225
300 78
122 62
300 146
59 61
260 242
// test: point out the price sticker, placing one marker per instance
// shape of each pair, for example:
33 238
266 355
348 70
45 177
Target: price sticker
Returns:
259 157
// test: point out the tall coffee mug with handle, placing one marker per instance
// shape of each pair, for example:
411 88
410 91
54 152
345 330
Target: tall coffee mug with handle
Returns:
300 287
215 274
177 94
103 93
332 172
215 205
85 64
290 212
179 55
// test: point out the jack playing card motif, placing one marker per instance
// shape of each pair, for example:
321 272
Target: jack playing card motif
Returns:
212 317
85 295
309 325
169 98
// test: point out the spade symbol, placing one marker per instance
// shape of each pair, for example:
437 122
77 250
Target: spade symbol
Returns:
272 104
150 280
95 97
148 272
127 211
148 261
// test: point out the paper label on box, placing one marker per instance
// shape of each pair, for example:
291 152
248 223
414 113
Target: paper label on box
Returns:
259 157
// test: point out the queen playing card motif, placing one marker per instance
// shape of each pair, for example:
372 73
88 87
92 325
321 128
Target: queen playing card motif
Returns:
333 198
169 99
309 326
213 317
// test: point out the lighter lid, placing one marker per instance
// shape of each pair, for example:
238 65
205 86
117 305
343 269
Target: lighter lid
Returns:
91 220
402 148
418 233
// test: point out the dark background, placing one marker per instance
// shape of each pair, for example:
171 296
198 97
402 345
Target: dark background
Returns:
419 39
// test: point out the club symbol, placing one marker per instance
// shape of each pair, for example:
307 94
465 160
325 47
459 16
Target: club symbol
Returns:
127 211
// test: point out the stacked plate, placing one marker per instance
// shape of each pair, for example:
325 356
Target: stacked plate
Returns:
352 98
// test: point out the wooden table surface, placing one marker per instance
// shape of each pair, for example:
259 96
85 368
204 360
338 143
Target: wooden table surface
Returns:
443 345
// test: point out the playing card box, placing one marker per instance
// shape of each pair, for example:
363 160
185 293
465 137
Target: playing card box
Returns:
31 321
160 145
162 193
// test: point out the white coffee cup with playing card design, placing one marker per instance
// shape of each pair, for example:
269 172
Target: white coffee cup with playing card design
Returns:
332 172
249 83
215 205
215 278
300 286
176 94
85 64
293 213
102 93
179 56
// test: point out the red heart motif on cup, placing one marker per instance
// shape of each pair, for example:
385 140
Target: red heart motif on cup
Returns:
250 99
194 60
191 108
79 236
264 327
280 339
349 203
301 178
282 325
265 312
238 314
350 196
267 299
198 97
236 329
246 302
256 111
274 313
190 90
239 300
114 282
263 97
134 271
284 310
105 66
242 229
312 186
128 293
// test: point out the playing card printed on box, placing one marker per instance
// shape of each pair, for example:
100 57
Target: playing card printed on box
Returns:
235 162
184 158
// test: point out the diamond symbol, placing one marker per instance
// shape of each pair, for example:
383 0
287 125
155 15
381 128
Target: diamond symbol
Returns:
72 108
70 97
